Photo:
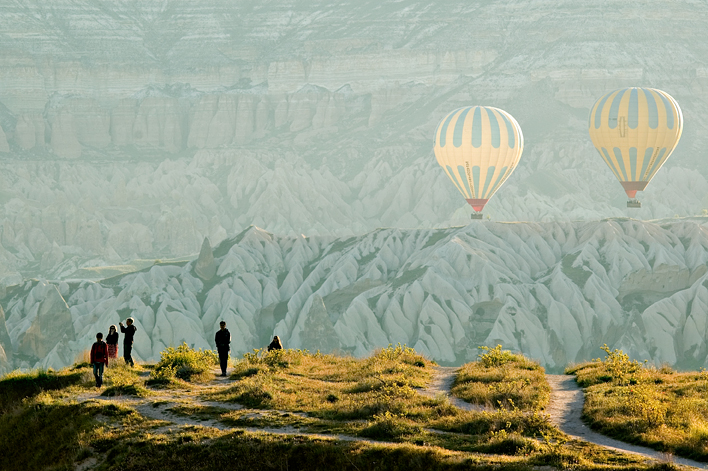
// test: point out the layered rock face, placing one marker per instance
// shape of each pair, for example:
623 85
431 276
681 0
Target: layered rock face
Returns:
133 130
554 291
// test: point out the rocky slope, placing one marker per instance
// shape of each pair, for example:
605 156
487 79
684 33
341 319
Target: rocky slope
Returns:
554 291
134 129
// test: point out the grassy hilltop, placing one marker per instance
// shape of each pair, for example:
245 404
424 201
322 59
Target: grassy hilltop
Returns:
289 409
655 407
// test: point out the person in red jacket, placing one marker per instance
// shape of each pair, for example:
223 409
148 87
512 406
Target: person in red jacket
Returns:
99 358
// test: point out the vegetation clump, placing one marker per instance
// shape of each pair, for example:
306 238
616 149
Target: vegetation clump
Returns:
503 379
185 363
388 426
642 404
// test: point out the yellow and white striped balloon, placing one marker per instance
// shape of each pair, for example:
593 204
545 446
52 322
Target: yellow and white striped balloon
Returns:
478 147
635 130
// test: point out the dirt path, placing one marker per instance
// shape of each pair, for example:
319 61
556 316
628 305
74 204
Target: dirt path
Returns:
566 408
441 383
158 404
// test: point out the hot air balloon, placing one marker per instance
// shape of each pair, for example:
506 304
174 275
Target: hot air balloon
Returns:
478 147
635 130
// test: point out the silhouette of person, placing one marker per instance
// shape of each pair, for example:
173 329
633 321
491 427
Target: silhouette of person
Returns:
112 342
222 339
275 344
99 358
129 332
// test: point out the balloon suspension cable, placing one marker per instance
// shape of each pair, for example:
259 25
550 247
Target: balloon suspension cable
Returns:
634 203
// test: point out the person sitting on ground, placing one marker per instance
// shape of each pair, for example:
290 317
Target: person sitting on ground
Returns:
99 358
129 332
275 344
222 339
112 342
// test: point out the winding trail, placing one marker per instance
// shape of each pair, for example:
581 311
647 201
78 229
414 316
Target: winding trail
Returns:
441 383
157 406
566 409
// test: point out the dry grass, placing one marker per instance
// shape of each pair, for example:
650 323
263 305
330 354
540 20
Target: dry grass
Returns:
656 407
374 397
335 388
83 357
120 379
502 379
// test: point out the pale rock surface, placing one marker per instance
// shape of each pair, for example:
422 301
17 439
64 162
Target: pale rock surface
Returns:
326 136
49 323
64 141
330 132
554 291
205 267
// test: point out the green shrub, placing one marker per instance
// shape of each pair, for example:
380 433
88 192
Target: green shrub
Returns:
400 353
494 357
185 363
508 443
390 426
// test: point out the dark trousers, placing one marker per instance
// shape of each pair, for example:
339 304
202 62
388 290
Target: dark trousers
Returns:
223 359
127 350
98 373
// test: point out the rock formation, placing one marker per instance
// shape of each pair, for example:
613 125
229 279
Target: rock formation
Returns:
327 132
204 267
555 291
47 324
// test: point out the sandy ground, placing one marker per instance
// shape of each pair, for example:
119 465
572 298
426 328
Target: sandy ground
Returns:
441 384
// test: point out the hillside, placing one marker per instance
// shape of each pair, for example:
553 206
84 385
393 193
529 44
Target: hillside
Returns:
287 409
554 291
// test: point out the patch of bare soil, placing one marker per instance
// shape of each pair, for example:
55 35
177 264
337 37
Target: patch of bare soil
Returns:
441 384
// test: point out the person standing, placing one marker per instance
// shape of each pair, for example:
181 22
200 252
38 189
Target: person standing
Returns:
275 344
222 339
112 342
99 358
129 332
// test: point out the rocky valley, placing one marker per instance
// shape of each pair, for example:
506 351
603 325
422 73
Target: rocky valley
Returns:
554 291
132 131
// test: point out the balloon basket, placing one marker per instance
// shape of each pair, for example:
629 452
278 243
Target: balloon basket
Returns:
634 203
477 216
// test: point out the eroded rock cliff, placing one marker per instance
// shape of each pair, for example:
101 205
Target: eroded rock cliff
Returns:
133 130
555 291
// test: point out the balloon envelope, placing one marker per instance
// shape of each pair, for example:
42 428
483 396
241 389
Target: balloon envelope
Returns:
635 130
478 147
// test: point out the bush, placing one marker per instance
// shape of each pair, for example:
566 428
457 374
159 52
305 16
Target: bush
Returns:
494 357
506 443
390 426
185 363
400 352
